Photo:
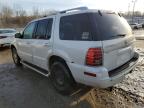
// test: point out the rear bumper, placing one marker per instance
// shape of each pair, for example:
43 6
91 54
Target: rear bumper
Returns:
103 79
122 72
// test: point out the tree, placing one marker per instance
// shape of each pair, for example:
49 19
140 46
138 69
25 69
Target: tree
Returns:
19 11
49 12
137 13
35 12
6 12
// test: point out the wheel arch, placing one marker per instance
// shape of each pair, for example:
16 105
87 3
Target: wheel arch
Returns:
12 46
55 58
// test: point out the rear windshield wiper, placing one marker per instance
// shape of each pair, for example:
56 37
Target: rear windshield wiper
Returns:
119 36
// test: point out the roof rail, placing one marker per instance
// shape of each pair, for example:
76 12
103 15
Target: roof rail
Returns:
78 8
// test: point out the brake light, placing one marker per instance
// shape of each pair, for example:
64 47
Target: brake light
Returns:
94 57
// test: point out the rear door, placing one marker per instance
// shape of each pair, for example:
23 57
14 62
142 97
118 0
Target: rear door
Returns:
25 44
42 46
116 36
117 52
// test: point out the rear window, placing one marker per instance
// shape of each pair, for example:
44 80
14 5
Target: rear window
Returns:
93 27
111 26
76 27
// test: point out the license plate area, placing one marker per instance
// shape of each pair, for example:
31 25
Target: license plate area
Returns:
124 55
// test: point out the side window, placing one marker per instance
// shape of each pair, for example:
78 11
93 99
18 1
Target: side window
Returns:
49 28
76 27
28 32
44 29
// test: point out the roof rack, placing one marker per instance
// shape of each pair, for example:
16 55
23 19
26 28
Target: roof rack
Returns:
78 8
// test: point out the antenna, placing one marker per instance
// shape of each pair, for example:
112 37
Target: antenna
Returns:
99 12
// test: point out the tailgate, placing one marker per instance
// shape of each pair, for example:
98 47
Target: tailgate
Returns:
117 52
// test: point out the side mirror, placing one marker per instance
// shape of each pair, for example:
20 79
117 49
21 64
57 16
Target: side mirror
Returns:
18 35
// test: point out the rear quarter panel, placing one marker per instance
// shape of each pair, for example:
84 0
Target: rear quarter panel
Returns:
72 50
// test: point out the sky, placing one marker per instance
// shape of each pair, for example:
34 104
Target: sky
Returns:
116 5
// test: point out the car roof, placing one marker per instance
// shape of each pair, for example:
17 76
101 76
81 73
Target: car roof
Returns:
134 23
75 11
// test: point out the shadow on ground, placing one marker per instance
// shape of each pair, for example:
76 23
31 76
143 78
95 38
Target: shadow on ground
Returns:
23 88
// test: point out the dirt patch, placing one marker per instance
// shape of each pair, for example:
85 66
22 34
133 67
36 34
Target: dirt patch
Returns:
139 44
5 56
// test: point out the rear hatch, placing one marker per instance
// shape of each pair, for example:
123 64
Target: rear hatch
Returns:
117 52
116 37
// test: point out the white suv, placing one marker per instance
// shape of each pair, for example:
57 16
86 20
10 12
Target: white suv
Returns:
80 45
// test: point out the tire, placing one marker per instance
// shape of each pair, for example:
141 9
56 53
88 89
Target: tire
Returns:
61 78
135 27
15 57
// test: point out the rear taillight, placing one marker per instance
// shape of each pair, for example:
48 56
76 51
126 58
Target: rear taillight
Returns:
94 57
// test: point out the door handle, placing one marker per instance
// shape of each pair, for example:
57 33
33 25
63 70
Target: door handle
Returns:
47 45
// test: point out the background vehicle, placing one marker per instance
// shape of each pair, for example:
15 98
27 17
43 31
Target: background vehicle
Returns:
91 47
135 25
6 36
142 25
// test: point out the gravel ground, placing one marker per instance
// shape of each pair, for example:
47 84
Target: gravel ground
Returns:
5 56
134 82
139 44
127 94
24 88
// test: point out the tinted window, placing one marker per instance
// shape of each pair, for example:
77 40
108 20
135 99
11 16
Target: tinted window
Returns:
93 26
76 27
11 31
7 31
132 24
110 26
44 29
28 32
